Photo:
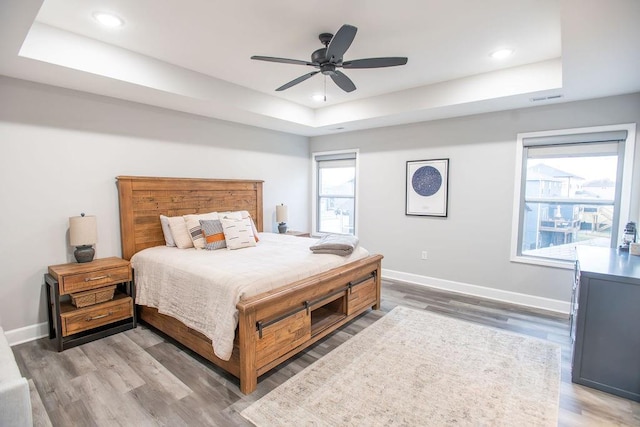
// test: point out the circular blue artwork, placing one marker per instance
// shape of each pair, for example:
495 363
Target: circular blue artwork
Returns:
426 181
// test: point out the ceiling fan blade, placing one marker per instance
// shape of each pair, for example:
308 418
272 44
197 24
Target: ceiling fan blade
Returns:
284 60
340 43
343 81
375 62
296 81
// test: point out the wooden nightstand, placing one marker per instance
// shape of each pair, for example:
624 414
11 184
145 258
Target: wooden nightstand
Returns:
298 233
85 321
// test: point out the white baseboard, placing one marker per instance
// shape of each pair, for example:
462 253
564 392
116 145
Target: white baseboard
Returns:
40 330
28 333
480 291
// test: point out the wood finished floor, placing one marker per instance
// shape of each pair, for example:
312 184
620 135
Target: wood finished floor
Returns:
141 378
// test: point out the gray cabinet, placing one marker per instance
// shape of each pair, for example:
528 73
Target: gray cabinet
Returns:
605 321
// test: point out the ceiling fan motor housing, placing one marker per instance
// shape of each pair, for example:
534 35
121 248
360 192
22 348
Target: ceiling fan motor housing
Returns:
319 56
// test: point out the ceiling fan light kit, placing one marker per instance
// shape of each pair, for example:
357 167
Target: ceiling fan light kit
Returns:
330 57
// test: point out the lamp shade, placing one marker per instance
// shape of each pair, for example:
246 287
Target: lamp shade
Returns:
83 230
282 213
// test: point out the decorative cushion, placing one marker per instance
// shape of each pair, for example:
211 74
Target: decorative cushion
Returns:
241 215
194 228
166 231
253 226
238 233
230 214
179 232
213 234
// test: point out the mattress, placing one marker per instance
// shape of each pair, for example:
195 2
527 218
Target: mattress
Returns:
201 288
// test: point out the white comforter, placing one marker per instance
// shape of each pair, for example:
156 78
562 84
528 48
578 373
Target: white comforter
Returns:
201 288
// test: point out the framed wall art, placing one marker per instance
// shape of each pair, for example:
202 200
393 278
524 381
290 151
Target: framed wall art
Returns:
427 187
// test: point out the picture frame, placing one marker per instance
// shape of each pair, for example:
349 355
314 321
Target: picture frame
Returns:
427 192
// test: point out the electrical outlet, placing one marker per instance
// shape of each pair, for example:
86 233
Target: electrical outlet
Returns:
424 255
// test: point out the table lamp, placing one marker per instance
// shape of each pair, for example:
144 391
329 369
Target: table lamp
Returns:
282 216
83 233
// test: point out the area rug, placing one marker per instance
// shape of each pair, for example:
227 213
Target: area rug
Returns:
415 368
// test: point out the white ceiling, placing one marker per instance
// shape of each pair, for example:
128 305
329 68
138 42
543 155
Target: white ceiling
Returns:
194 56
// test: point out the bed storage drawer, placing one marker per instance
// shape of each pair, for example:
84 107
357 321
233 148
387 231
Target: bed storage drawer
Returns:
362 295
283 336
96 315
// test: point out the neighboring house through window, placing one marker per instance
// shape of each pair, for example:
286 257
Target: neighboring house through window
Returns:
573 188
334 192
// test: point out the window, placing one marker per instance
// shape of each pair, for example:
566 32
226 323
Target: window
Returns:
574 189
334 182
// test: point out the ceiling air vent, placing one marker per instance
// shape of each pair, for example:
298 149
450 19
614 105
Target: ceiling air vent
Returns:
545 98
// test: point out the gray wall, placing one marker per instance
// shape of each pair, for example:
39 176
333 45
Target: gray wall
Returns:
472 245
61 151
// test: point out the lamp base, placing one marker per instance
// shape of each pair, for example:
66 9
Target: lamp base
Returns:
282 227
84 253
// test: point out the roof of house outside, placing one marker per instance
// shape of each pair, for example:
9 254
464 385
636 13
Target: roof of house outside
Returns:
551 172
600 183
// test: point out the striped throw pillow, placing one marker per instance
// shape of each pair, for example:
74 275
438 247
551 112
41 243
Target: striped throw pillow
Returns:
238 233
194 228
213 234
241 215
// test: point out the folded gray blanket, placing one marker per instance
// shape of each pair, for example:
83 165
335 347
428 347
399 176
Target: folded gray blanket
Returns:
336 244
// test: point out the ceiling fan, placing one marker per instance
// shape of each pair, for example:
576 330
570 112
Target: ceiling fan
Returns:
329 58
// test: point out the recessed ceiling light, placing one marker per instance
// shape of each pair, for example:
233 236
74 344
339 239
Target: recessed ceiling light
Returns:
318 97
501 53
108 19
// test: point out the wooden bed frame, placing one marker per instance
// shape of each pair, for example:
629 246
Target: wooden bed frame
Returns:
272 326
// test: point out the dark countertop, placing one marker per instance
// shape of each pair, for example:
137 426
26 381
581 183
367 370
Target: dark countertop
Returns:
608 261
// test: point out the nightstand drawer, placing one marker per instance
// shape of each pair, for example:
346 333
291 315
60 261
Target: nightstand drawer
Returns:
97 315
94 279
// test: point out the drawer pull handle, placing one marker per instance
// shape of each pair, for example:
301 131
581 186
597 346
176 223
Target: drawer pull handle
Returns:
89 319
91 279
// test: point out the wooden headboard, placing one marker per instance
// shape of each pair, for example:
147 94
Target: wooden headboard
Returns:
143 199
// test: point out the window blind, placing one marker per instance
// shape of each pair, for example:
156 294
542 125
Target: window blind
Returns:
576 138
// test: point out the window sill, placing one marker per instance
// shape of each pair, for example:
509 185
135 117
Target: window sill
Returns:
565 265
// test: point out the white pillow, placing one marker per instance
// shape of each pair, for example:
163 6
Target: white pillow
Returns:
195 229
238 233
241 215
179 232
166 231
231 214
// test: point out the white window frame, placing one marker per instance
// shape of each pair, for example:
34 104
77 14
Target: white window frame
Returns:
625 196
314 188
